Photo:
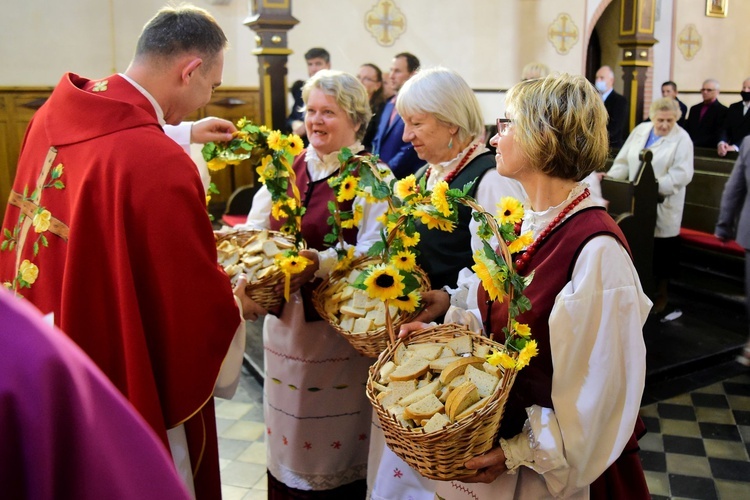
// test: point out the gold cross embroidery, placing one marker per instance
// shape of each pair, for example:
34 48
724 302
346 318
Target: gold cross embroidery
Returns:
29 207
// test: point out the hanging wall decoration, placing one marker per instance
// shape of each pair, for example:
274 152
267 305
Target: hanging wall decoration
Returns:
716 8
689 41
563 33
385 22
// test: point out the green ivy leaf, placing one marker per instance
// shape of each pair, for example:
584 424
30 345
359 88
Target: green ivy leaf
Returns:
7 233
36 248
376 249
43 240
4 245
58 185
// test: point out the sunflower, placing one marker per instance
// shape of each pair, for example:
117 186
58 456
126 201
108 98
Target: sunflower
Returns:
354 221
406 187
291 264
522 329
275 141
295 145
347 189
384 282
431 221
216 164
529 351
263 170
521 242
439 200
501 358
492 276
509 210
408 303
404 261
409 241
345 260
277 209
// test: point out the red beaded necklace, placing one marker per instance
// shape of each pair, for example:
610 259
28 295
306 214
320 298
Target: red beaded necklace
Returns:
453 173
524 259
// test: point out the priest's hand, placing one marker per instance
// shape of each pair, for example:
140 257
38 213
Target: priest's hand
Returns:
212 129
251 311
488 466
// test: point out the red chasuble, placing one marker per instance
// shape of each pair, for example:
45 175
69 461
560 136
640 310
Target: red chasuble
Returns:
112 214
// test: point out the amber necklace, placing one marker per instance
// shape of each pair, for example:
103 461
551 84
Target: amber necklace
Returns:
453 173
524 259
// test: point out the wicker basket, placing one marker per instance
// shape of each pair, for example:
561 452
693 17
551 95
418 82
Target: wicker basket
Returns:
442 454
261 290
373 342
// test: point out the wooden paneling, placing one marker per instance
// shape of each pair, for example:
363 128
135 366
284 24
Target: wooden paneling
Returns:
17 106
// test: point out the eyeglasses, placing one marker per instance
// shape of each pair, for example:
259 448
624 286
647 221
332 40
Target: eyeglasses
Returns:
503 126
708 90
367 79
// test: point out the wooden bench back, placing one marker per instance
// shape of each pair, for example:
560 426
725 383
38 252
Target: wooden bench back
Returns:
633 206
703 194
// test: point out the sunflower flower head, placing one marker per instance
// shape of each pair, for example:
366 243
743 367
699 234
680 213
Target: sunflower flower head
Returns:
295 145
407 303
384 282
439 201
529 351
432 219
406 187
347 189
216 164
509 210
521 329
345 260
275 141
409 241
521 242
404 260
492 276
501 358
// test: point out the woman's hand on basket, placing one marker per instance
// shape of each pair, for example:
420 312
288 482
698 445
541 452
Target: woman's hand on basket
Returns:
488 466
251 311
436 304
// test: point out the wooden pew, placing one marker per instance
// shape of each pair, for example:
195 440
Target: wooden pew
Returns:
633 206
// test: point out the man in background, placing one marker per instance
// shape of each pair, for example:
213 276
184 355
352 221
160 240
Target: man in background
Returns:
737 123
669 89
317 58
388 142
706 119
617 107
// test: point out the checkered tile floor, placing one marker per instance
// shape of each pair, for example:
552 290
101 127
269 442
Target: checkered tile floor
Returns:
698 444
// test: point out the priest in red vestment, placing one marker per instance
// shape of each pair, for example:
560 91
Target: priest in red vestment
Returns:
106 228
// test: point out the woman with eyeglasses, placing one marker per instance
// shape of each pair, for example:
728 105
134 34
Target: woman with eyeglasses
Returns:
568 427
372 78
444 123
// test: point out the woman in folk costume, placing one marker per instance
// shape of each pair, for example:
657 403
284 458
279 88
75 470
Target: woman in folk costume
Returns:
673 169
316 411
568 427
444 123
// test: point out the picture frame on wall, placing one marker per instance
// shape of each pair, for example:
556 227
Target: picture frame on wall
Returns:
716 8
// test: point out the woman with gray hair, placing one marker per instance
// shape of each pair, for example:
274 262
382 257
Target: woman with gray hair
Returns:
316 412
673 169
444 123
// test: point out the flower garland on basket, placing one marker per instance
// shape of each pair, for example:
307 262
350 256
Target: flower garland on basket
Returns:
453 403
274 152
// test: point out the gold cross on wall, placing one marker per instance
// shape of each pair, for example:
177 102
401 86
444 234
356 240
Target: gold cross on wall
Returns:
385 22
563 33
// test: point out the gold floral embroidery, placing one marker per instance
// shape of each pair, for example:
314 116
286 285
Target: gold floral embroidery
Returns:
100 86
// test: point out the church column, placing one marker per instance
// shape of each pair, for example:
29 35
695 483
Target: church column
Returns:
636 40
271 20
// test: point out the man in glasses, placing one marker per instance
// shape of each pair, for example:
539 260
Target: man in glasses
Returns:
706 119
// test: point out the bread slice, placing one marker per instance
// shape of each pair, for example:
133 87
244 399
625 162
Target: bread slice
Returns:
352 311
415 367
362 325
458 367
399 353
485 382
395 392
461 398
386 370
439 364
437 421
462 345
420 393
493 370
481 351
447 352
424 408
427 351
471 409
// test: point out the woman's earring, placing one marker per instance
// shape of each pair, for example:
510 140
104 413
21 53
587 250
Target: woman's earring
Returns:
450 143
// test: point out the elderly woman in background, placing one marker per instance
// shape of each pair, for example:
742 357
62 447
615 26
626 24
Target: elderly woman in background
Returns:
444 123
316 412
568 427
673 169
372 78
